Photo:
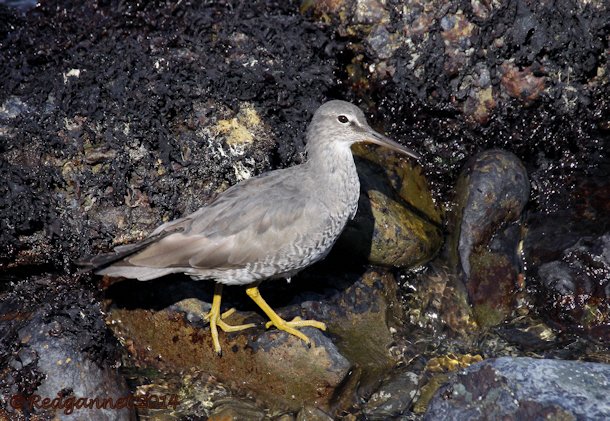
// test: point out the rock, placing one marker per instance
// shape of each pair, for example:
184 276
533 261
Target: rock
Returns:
381 42
490 195
235 410
397 223
437 302
530 334
525 389
393 397
567 259
360 318
310 413
436 374
294 370
59 354
138 139
276 368
579 286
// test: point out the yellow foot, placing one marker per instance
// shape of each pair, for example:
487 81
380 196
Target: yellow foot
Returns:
216 321
291 326
278 322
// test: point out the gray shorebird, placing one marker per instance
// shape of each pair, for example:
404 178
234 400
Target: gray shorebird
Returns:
266 227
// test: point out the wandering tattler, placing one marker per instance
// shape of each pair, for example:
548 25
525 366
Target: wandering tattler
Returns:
266 227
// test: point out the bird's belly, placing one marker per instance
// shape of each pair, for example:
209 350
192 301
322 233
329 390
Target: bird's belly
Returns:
308 249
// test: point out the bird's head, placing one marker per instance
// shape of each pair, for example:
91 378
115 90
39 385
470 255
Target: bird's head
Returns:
341 121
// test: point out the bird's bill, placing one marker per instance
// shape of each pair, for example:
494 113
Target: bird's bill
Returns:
379 139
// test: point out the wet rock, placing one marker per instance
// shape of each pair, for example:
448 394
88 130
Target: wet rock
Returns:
274 366
190 393
310 413
71 375
398 223
567 260
361 317
234 410
491 193
58 347
578 285
524 389
436 373
490 196
435 301
277 368
451 362
529 334
393 397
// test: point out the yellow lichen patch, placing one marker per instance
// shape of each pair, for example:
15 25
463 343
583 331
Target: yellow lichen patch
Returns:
441 366
427 392
240 129
451 362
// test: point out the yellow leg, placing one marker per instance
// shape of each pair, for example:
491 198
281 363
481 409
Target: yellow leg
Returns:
280 323
216 319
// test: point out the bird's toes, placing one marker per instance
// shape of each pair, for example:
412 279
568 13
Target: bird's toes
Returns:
227 313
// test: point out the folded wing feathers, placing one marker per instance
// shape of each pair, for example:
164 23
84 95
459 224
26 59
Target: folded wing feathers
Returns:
134 272
243 225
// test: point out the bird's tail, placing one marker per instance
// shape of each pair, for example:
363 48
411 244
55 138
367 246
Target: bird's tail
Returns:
101 261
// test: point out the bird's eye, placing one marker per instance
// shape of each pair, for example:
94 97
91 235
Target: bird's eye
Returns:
343 119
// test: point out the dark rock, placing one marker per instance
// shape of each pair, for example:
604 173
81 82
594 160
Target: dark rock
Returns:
59 344
567 261
530 335
393 397
579 285
124 130
524 389
360 317
491 194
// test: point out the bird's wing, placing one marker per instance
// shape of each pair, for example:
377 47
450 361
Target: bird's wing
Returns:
246 223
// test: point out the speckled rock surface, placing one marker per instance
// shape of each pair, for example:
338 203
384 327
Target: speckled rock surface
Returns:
525 389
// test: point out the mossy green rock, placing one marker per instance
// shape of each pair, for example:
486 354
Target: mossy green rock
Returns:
398 223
